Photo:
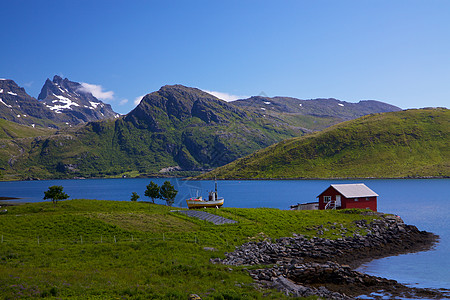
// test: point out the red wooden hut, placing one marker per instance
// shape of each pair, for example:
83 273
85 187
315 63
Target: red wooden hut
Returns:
340 196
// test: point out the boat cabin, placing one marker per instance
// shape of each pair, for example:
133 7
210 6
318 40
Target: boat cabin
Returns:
306 206
340 196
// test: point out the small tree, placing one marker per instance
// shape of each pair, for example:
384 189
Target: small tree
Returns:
152 191
168 193
55 193
134 196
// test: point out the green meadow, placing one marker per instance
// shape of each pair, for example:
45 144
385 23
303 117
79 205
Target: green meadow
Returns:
94 249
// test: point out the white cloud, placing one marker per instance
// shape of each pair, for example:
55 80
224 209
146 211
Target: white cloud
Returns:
97 91
225 96
137 100
123 102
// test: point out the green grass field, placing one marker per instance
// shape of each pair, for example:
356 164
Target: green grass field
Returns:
94 249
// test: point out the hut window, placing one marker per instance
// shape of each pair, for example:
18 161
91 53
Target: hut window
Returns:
326 199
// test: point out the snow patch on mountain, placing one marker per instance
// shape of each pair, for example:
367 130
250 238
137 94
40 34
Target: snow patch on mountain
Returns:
67 103
95 104
1 101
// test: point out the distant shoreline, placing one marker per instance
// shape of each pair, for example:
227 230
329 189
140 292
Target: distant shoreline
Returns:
326 178
10 201
194 178
9 198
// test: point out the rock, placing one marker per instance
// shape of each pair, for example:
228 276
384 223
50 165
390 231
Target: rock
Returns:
209 249
317 261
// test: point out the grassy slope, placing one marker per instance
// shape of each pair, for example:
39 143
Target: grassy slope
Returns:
94 150
11 130
15 142
68 250
312 123
411 143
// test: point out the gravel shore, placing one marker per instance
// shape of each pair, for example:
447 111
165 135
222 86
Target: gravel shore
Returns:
302 267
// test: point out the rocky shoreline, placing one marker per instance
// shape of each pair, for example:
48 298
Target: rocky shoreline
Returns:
303 267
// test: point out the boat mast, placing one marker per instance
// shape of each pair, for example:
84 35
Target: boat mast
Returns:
215 184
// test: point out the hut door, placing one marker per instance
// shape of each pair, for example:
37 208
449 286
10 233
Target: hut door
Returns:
338 200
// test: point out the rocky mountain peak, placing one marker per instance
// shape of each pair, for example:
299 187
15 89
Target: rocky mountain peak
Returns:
8 85
63 96
178 103
58 79
189 92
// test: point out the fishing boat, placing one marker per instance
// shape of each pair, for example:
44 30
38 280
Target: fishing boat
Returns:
212 201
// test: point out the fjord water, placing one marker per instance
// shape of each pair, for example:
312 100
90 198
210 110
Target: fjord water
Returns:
421 202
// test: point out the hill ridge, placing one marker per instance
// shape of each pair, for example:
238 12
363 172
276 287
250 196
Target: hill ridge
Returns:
411 143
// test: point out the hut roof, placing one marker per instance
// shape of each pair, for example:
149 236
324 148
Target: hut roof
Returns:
354 190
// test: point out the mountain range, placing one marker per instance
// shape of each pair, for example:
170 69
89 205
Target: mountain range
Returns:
61 103
176 128
314 114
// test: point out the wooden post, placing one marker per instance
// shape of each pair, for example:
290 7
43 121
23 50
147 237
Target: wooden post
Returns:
81 239
38 240
101 238
115 241
164 237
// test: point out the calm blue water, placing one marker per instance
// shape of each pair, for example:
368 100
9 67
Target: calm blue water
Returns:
424 203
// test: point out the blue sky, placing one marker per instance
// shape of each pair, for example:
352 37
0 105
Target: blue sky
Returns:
392 51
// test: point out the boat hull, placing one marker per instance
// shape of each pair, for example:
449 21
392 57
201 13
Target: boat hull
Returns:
197 203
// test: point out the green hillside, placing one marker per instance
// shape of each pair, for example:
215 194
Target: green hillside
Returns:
412 143
15 141
12 130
